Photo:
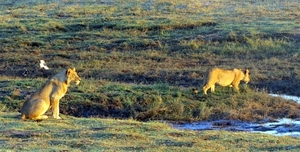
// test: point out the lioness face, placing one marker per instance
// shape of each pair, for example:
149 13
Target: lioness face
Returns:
73 76
247 76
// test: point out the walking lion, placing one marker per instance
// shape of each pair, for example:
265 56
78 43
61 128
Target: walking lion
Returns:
225 78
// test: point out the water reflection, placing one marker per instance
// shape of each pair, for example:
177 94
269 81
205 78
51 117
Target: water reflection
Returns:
280 127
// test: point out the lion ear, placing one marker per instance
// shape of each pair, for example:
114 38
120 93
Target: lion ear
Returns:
74 69
247 71
68 72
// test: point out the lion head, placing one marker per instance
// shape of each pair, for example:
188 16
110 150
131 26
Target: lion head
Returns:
73 76
247 76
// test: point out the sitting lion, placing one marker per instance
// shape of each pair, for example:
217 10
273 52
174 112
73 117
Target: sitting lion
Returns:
48 96
225 78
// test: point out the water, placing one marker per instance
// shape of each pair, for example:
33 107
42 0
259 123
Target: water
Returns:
288 97
280 127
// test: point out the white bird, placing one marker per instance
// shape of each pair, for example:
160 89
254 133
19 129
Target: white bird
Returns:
43 65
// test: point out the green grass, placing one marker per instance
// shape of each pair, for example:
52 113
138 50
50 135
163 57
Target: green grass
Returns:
95 134
140 60
99 98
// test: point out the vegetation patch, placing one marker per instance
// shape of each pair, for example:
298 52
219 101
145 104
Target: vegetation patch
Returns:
155 102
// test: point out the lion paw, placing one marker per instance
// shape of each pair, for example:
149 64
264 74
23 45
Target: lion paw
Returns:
57 117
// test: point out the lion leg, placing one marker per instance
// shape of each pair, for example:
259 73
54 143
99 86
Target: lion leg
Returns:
36 110
212 88
40 117
236 87
209 86
55 109
205 88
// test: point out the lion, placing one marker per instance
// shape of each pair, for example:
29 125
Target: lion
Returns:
226 78
49 95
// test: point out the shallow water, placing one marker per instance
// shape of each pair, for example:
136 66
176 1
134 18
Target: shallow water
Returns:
288 97
280 127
